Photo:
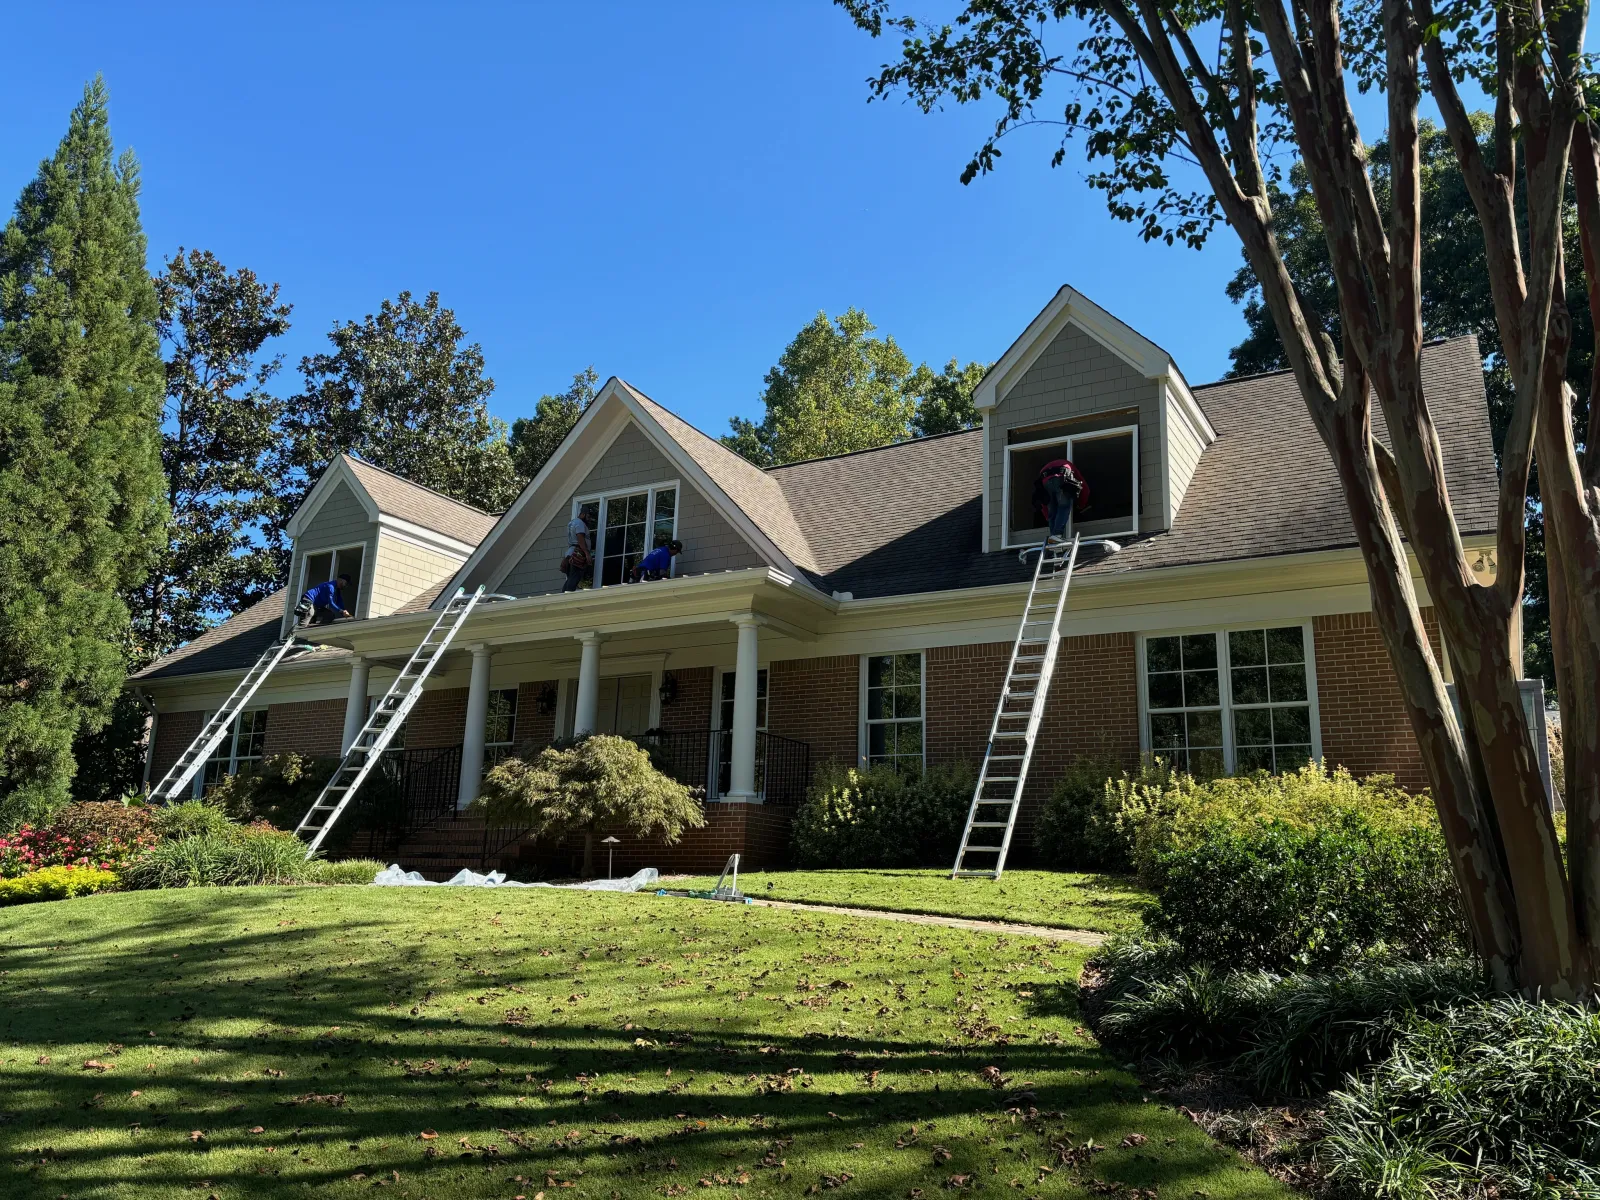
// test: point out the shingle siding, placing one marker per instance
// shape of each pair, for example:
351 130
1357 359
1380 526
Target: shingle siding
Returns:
402 570
1183 451
631 461
341 521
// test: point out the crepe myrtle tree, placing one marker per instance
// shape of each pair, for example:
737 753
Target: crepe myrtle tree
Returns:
1188 114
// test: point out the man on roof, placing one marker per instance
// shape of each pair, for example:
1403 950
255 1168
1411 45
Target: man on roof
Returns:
324 603
658 563
580 547
1059 491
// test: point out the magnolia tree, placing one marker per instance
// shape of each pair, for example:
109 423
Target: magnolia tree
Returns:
601 781
1189 114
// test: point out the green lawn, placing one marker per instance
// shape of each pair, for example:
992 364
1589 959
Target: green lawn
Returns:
468 1043
1102 903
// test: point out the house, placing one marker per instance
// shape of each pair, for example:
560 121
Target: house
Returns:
868 601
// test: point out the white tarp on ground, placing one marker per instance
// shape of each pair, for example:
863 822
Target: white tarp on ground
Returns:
393 876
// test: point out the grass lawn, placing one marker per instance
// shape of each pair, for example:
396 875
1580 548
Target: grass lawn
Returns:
469 1043
1102 903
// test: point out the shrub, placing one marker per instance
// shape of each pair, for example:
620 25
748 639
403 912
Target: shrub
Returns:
1492 1098
100 834
1284 1035
235 855
601 780
348 870
55 883
280 791
192 818
1089 822
882 817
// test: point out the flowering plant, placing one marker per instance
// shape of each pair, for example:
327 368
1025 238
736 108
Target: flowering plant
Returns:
102 835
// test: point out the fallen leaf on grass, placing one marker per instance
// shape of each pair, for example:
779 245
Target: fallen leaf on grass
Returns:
427 1135
94 1064
958 1181
1134 1139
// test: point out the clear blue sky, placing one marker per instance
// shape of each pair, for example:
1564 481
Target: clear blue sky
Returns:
667 192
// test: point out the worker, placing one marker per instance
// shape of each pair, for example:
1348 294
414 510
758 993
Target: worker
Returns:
658 563
1059 491
324 603
580 551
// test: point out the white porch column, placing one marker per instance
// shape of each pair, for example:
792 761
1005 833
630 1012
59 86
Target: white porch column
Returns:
586 710
355 705
742 768
477 720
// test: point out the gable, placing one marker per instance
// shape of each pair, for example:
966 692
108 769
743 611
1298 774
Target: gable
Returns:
341 519
633 462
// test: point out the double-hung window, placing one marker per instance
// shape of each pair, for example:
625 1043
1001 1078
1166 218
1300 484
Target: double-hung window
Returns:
1231 701
239 752
892 710
627 526
500 726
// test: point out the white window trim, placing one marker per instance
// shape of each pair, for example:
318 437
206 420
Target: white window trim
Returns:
197 786
599 500
1225 682
511 743
861 703
1067 440
366 569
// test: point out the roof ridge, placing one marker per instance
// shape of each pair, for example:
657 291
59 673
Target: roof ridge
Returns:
926 437
445 496
1227 379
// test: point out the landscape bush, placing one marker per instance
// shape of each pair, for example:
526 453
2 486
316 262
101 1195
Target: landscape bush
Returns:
1077 829
1494 1098
55 883
280 791
232 856
102 834
344 871
882 817
192 818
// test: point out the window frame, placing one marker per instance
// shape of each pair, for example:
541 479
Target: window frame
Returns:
1226 706
1067 440
507 747
197 788
361 584
864 724
599 499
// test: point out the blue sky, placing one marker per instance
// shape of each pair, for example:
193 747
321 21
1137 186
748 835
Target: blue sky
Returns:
667 192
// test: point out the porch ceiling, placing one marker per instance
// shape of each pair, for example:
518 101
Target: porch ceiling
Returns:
782 605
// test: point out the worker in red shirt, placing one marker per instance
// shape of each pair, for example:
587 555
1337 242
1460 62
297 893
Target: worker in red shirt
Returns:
1057 493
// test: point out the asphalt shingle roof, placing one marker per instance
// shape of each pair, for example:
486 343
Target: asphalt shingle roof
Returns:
421 505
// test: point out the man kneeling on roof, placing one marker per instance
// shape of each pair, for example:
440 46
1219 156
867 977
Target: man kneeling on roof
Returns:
658 563
1058 491
323 604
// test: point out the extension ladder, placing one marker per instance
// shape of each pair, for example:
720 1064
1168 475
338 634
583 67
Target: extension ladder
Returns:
385 720
998 796
221 721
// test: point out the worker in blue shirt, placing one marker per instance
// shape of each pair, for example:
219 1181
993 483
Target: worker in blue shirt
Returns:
658 563
324 603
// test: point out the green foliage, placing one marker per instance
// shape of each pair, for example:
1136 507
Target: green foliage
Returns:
1078 829
344 871
55 883
534 439
601 780
944 401
1496 1098
192 818
882 817
280 791
1282 1035
101 834
226 856
80 470
400 391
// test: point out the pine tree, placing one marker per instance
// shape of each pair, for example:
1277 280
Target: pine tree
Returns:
81 509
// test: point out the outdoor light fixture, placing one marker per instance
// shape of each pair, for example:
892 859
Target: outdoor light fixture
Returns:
669 689
611 845
546 701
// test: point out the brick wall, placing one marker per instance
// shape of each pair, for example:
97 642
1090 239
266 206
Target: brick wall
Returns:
439 719
532 725
759 833
816 700
174 732
314 727
690 709
1364 721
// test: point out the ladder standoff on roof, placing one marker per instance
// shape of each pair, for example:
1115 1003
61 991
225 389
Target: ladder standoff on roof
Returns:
998 795
386 718
221 721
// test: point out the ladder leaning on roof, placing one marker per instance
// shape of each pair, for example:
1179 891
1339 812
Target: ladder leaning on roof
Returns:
1021 708
221 721
386 718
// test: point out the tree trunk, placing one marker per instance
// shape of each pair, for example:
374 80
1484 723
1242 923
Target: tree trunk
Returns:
588 854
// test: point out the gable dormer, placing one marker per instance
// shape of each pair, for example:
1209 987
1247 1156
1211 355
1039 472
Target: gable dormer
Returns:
1081 384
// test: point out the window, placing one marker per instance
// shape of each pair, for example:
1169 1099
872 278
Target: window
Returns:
323 565
627 526
1237 701
239 752
500 726
891 686
1108 459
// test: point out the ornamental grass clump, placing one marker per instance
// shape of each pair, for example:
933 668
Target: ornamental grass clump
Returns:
600 782
226 856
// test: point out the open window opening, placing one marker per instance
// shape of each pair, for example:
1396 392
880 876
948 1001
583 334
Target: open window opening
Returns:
628 525
323 565
1108 460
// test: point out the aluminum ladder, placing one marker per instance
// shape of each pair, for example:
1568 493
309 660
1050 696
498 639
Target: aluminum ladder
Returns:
385 719
998 796
221 722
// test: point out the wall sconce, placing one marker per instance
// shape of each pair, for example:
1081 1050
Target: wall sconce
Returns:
668 690
546 700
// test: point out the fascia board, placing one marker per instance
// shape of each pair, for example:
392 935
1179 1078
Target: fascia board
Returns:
421 535
320 491
1188 406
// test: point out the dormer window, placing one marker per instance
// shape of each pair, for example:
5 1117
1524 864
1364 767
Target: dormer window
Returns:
323 565
1108 459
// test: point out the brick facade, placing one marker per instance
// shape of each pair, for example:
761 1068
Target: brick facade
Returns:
314 727
1364 721
174 732
758 833
439 718
532 725
816 701
690 709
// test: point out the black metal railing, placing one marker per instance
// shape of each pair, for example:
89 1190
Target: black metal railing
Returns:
409 791
702 759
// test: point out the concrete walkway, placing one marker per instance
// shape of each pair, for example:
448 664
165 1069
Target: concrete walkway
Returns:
1080 937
